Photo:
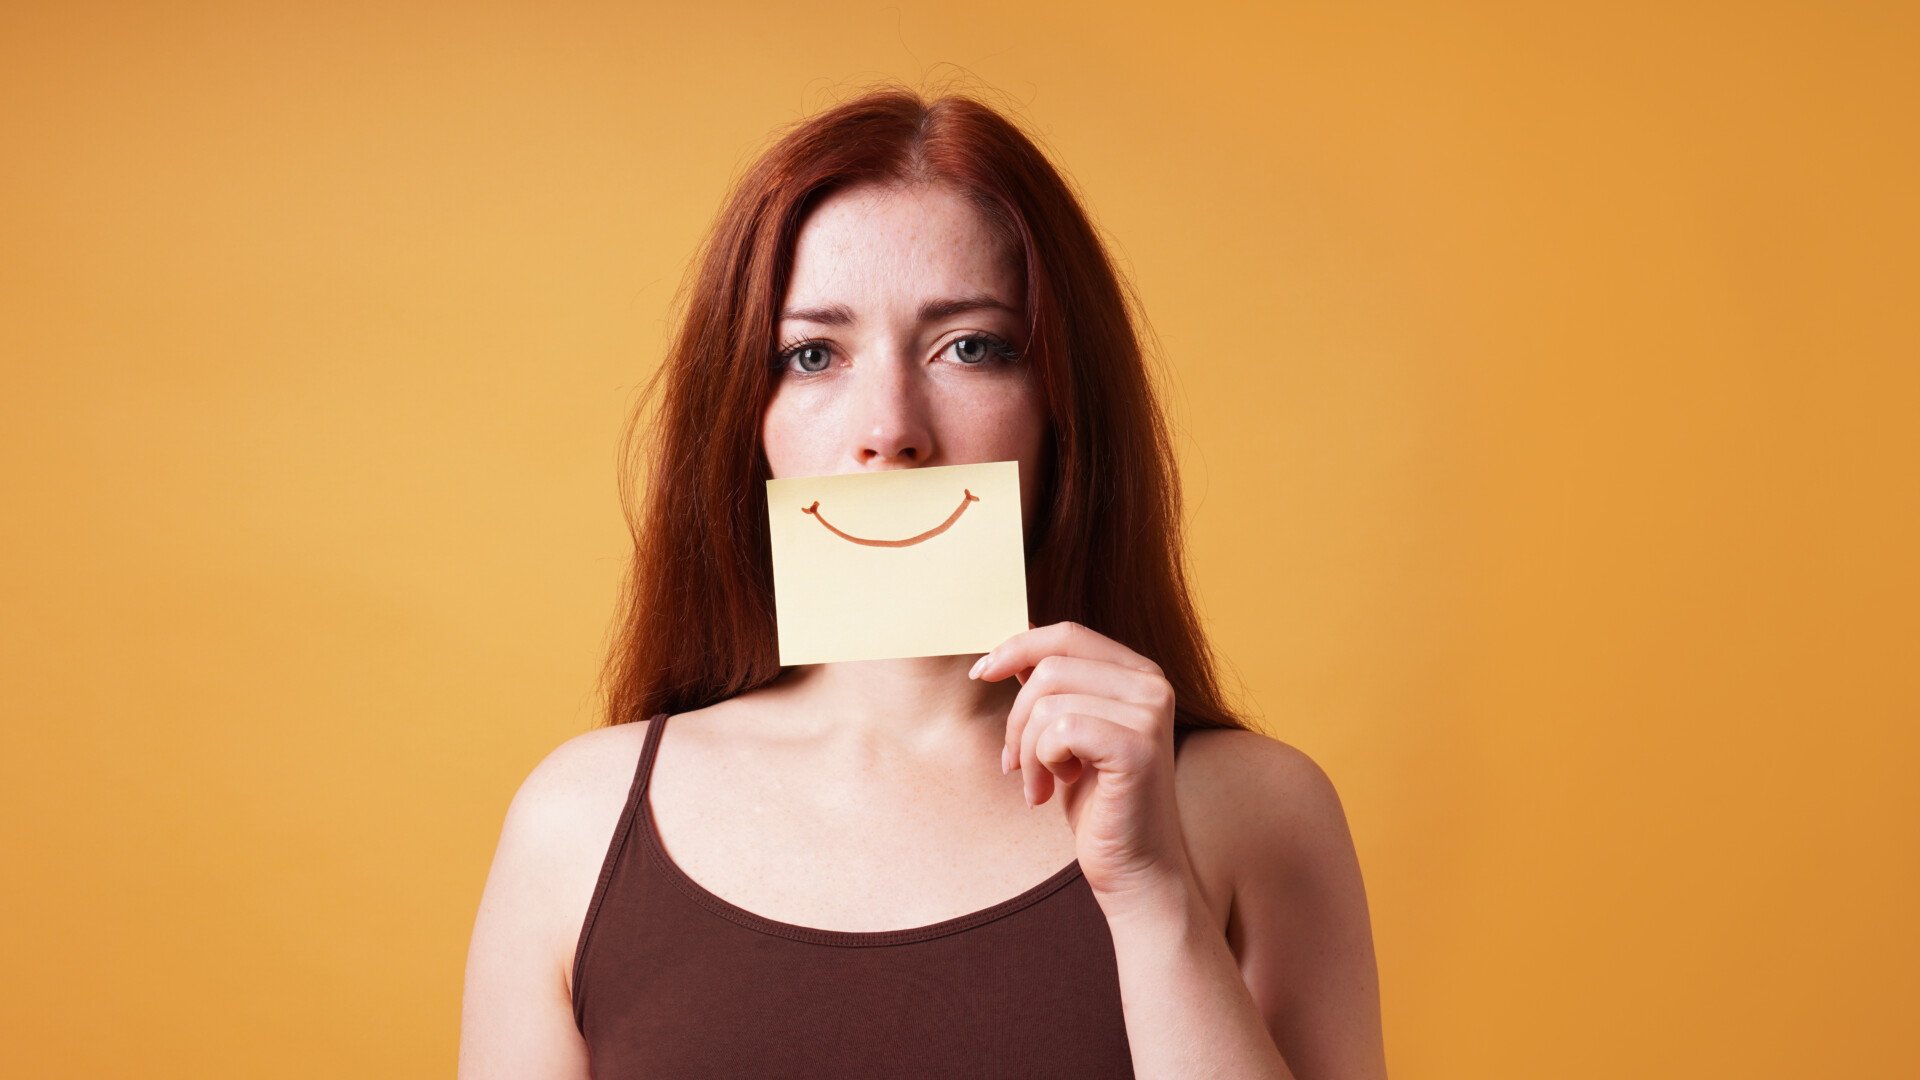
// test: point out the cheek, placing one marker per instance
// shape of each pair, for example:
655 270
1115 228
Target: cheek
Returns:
783 428
1035 431
1006 419
1012 427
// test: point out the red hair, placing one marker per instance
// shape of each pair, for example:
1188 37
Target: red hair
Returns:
696 624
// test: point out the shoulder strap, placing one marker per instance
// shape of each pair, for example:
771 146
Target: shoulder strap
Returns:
622 828
649 750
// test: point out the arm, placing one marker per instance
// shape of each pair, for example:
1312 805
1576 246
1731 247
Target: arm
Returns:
516 1018
1300 926
1295 977
1187 1012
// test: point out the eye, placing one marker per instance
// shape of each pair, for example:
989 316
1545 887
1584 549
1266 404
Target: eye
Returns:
814 356
979 349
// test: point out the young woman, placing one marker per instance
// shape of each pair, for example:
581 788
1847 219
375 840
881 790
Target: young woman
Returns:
830 870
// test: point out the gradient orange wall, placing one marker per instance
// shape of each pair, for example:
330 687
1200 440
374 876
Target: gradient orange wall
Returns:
1546 377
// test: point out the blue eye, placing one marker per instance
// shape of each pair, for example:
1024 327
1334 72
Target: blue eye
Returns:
805 351
977 349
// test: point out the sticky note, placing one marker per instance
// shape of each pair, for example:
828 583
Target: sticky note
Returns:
903 562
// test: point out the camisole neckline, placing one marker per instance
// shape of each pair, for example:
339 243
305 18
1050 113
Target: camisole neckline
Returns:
726 909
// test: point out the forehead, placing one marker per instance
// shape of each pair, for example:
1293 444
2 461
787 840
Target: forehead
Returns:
872 246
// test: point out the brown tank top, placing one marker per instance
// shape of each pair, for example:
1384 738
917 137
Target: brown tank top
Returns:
671 981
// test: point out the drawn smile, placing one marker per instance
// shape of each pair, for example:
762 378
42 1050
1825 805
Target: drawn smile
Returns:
968 497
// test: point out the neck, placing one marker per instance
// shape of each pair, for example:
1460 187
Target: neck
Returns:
915 703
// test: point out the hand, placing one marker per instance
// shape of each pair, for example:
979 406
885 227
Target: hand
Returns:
1098 717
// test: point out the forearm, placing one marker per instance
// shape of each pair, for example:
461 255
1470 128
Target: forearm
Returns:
1188 1013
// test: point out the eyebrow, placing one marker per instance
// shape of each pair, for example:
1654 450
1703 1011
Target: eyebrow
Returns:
841 315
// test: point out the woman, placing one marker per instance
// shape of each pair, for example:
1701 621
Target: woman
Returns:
829 870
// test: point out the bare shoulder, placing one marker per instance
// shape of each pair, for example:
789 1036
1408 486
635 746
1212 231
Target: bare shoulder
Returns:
517 1005
1269 816
1245 784
1253 807
578 774
559 826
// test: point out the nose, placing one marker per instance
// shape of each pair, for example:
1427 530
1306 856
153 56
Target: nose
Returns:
892 427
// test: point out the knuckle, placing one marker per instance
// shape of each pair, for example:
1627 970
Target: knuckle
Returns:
1163 696
1149 716
1143 749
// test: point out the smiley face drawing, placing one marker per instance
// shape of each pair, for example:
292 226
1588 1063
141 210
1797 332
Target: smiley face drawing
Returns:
927 561
966 497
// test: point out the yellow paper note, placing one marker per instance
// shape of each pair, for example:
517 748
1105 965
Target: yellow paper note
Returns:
906 562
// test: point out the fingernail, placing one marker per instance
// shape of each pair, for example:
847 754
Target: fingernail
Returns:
977 665
1003 760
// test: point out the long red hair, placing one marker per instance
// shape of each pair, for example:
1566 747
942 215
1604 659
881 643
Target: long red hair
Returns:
696 623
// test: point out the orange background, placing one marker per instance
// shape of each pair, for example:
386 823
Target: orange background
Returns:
1546 381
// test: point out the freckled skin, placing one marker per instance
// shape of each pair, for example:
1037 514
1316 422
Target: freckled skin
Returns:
895 393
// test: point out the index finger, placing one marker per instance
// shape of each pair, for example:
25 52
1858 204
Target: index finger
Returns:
1025 649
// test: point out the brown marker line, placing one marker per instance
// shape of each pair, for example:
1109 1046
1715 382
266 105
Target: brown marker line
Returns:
970 497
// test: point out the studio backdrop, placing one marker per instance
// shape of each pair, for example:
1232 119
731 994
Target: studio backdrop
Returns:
1543 378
